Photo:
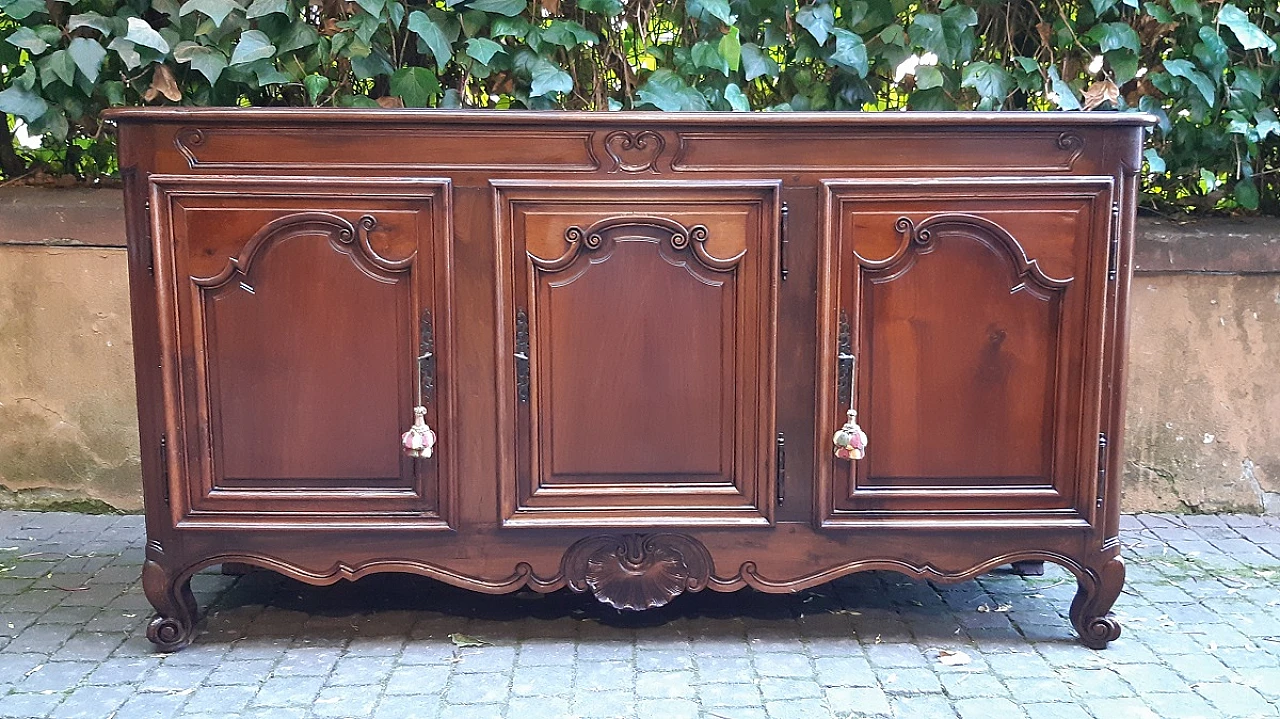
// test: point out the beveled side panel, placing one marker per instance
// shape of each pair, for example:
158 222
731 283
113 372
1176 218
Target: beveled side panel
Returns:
974 309
637 328
299 307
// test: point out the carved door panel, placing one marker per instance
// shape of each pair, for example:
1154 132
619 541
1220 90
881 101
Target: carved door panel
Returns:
636 347
973 313
305 307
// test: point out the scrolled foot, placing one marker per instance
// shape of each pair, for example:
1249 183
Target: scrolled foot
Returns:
1090 609
169 634
1099 631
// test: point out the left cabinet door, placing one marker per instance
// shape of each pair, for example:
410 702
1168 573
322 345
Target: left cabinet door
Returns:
302 320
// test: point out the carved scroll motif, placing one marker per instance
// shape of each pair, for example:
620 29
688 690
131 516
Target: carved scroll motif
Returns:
634 152
669 234
637 571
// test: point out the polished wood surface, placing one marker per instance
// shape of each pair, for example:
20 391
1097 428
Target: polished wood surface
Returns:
634 335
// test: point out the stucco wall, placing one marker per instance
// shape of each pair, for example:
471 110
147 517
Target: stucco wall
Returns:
1204 393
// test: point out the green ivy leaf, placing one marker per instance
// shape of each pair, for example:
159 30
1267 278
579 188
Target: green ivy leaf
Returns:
215 10
28 40
755 63
1247 81
711 9
22 9
1267 123
509 8
666 91
1251 36
926 32
1185 69
262 8
374 64
568 34
1101 6
90 20
1246 193
608 8
1190 8
433 35
1067 99
57 66
1124 65
1154 162
731 48
989 80
127 53
928 77
301 34
483 49
850 52
1158 12
22 103
88 56
706 55
548 77
415 85
207 61
736 98
372 7
1114 36
1211 51
316 85
253 45
113 90
819 19
140 33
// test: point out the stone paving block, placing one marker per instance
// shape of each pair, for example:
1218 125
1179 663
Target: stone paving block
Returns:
934 706
785 688
426 706
1234 700
546 653
729 695
1056 710
736 713
858 701
241 672
361 670
175 677
289 691
660 659
1127 707
964 685
909 680
1094 683
724 669
796 709
122 671
603 704
1039 689
605 652
988 707
229 699
20 705
896 655
307 660
92 702
418 679
477 689
539 681
852 671
539 708
780 664
484 659
152 706
665 685
666 709
347 702
604 676
470 711
1180 705
55 676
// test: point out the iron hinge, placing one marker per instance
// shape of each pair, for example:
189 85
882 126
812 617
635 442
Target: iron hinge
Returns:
1102 467
783 240
164 467
1113 250
146 237
782 468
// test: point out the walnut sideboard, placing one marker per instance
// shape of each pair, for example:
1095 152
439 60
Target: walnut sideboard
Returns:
634 338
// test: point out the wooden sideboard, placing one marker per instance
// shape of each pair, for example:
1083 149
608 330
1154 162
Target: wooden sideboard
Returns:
634 337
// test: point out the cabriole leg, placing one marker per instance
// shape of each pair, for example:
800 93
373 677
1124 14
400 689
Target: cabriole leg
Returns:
1092 604
175 620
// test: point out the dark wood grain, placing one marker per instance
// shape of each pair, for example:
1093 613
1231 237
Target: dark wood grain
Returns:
631 397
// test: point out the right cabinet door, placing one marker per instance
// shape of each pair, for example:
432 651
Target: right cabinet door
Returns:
963 322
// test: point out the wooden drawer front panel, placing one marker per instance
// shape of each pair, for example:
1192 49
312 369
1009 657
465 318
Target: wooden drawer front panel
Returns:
305 306
974 311
636 339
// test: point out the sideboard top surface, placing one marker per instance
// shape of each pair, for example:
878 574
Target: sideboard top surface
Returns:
689 119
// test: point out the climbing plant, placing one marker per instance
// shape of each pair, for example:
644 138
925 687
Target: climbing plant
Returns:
1210 70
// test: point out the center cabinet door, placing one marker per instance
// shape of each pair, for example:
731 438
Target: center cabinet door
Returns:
311 316
636 352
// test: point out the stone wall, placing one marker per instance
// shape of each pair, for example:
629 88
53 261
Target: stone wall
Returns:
1204 393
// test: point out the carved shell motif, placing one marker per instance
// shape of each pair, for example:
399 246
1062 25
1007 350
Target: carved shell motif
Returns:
637 571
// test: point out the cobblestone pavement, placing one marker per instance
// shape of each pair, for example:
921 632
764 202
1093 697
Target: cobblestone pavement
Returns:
1201 617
